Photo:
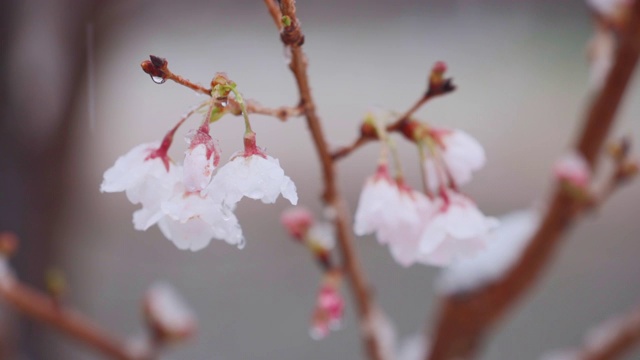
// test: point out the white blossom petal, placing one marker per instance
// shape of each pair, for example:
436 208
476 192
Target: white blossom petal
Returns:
193 219
130 169
254 177
504 245
198 168
463 155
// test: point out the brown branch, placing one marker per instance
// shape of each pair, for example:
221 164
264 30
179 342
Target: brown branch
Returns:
393 127
292 36
254 107
274 10
43 308
465 319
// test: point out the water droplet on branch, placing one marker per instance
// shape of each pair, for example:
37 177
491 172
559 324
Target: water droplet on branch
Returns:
158 79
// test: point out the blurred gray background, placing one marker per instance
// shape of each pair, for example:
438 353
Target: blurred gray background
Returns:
73 99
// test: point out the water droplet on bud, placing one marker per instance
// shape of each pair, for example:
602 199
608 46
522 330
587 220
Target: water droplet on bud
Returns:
158 79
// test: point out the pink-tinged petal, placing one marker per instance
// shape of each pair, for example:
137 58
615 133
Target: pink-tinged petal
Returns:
431 174
465 221
198 168
193 219
193 235
297 221
462 154
130 169
573 168
434 234
503 247
145 218
254 177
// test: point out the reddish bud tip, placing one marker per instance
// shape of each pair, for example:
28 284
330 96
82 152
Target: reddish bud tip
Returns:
439 67
368 130
158 61
297 221
220 79
156 68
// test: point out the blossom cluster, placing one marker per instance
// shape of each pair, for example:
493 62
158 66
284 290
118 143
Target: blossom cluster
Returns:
436 226
194 203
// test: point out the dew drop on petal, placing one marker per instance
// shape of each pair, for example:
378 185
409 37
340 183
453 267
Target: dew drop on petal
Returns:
158 79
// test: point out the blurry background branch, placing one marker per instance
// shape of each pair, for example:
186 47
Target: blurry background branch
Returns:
465 318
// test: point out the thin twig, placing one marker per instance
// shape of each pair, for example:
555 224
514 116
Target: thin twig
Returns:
254 107
274 10
395 126
464 319
292 36
43 308
610 339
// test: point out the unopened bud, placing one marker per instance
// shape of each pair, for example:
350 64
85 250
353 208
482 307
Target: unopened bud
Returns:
220 78
438 84
156 68
412 130
297 221
286 20
619 150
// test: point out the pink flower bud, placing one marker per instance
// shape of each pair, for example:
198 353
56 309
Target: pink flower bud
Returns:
573 168
329 306
297 221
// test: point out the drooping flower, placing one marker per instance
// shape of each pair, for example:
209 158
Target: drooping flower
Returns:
167 314
255 175
201 158
461 155
193 219
457 229
383 204
147 176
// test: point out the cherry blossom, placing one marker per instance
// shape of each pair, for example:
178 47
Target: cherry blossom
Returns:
193 219
460 154
147 177
457 229
573 168
417 229
256 176
201 159
167 313
383 204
